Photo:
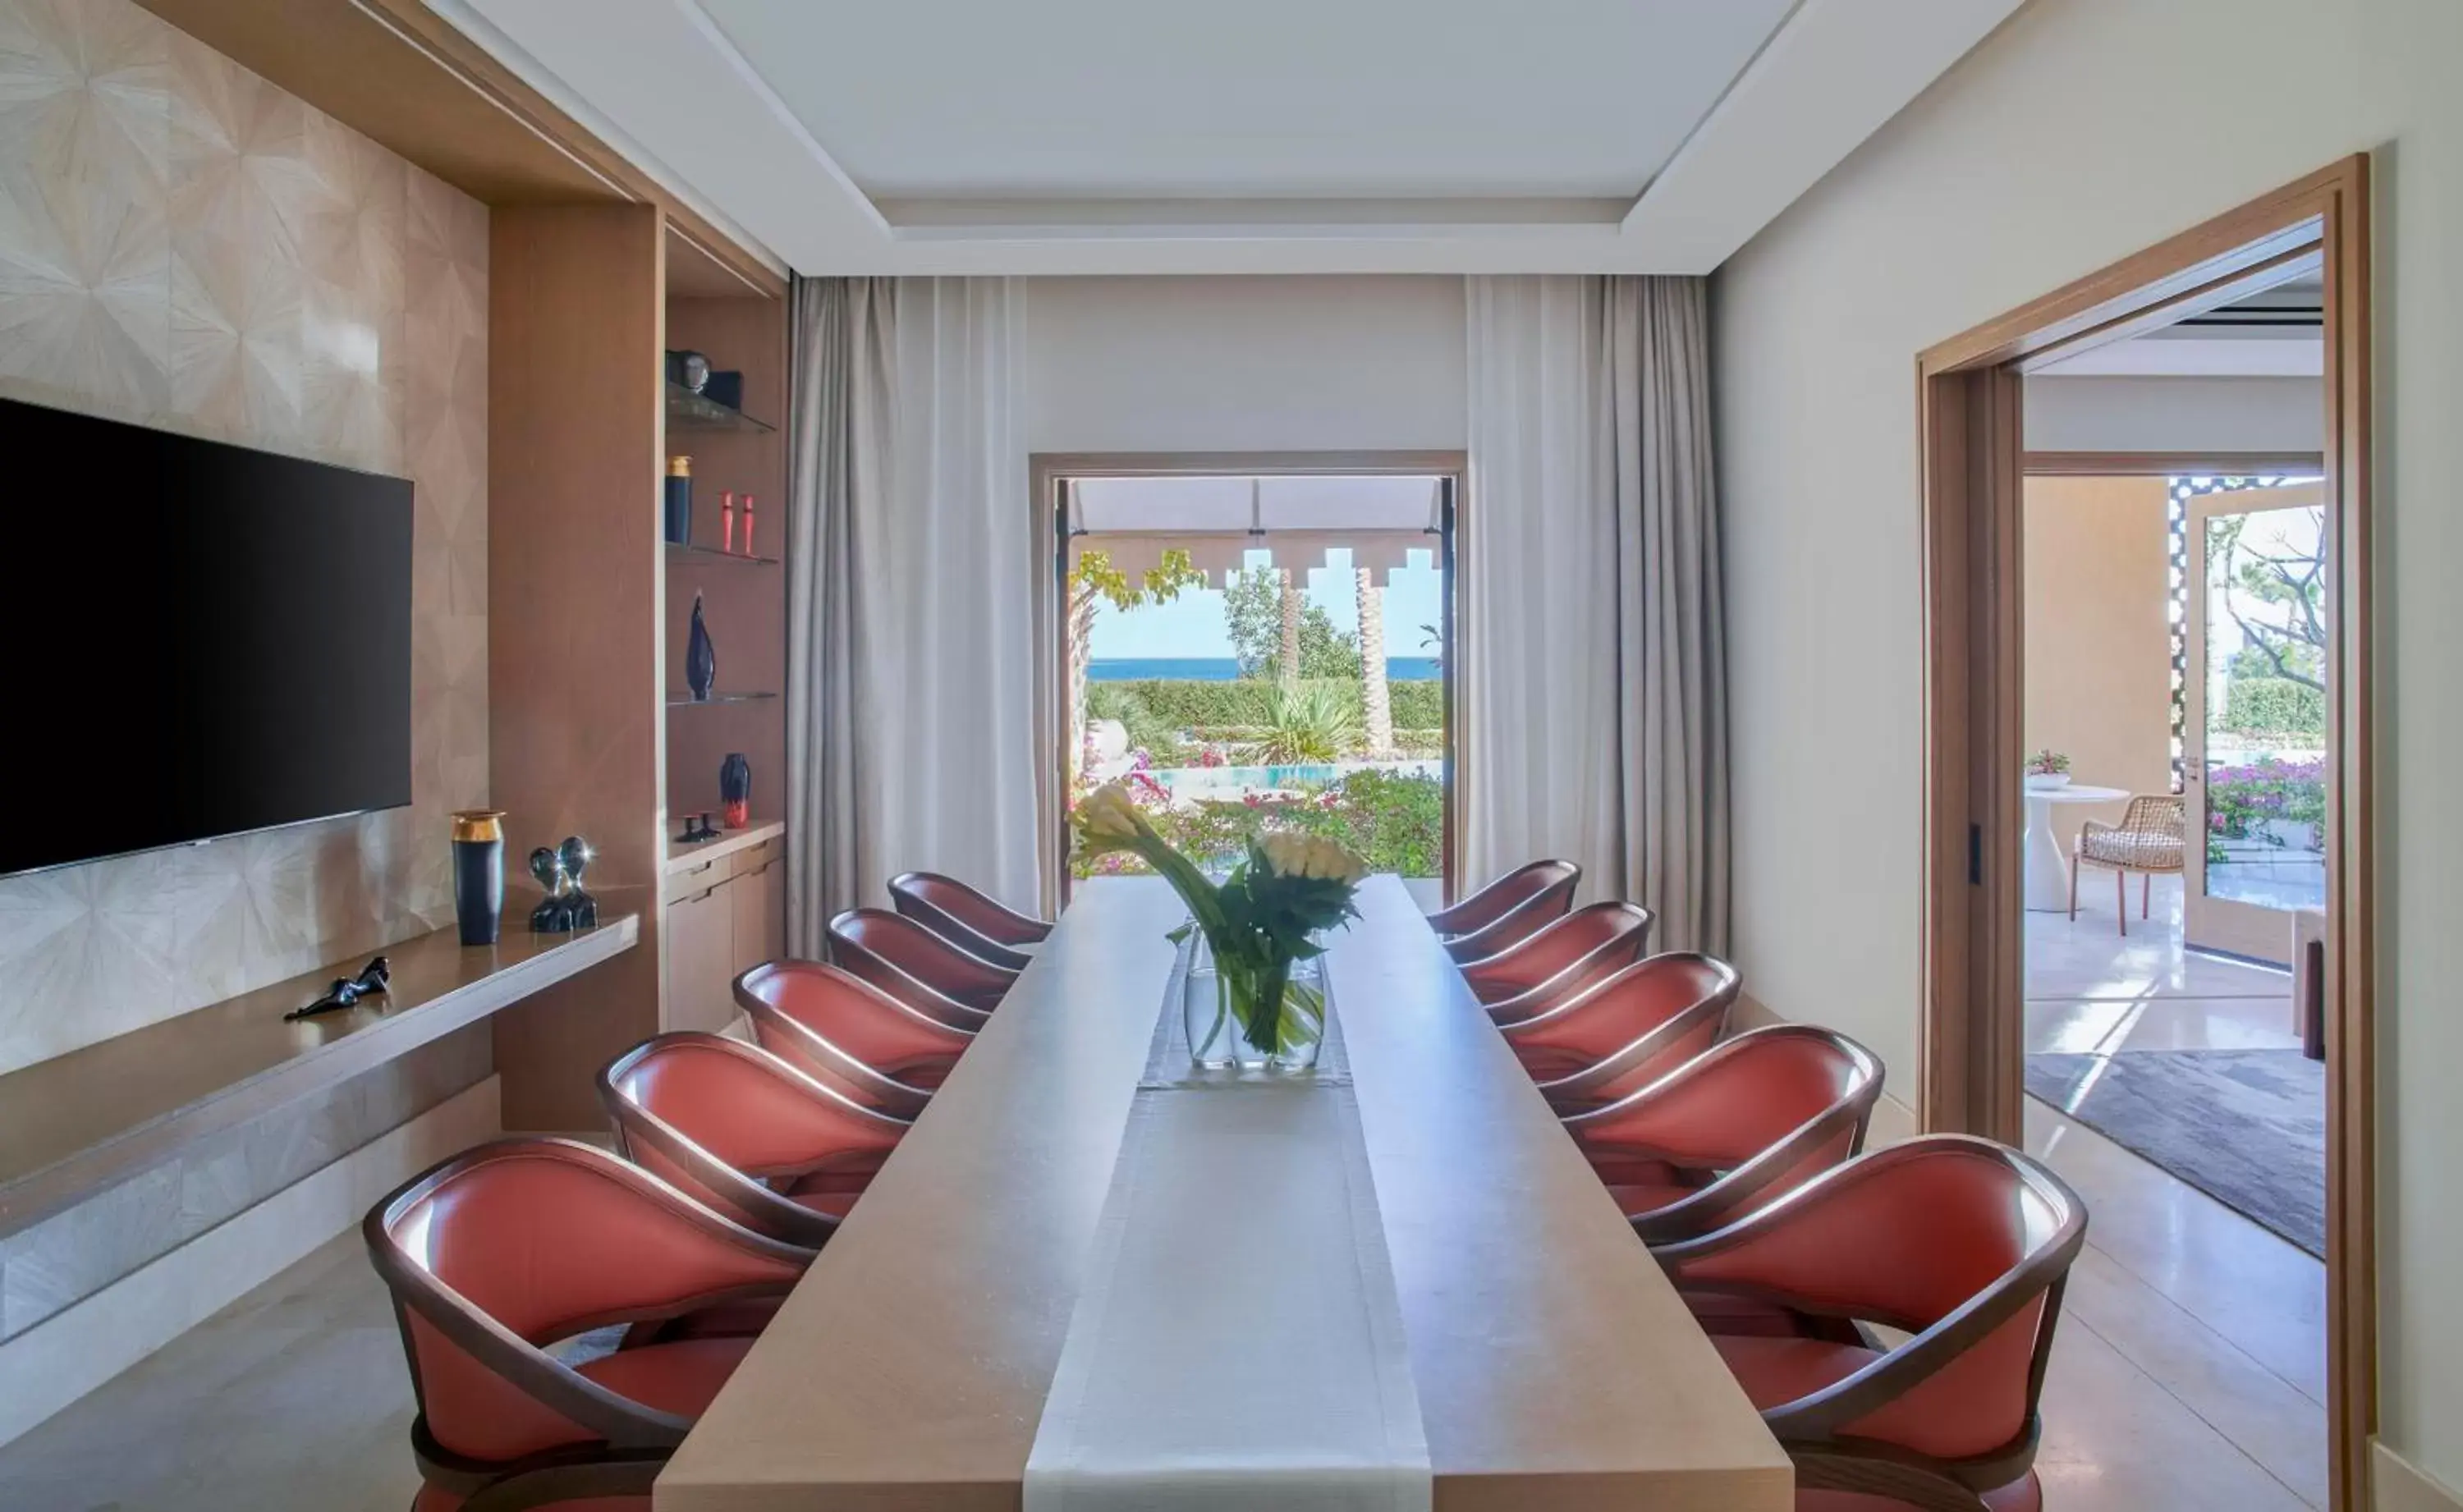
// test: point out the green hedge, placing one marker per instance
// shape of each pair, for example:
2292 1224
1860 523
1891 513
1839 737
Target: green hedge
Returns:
1158 706
2273 706
1395 822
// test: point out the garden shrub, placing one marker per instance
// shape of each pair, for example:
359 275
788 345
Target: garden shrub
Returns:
2273 706
1418 703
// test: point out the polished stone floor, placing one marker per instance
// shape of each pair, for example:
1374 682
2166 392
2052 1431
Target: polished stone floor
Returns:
2191 1368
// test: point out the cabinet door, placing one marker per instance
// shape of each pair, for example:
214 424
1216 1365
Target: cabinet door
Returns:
761 914
701 930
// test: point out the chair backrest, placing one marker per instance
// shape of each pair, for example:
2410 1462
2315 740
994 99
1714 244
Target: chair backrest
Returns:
1754 1119
1527 979
500 1251
1963 1244
1634 1024
890 951
2156 813
967 917
1521 888
846 1033
719 1119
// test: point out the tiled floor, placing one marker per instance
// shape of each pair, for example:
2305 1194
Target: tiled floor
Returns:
292 1399
2190 1373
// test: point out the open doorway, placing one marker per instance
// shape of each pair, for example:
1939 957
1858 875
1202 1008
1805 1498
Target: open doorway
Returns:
1255 643
2147 913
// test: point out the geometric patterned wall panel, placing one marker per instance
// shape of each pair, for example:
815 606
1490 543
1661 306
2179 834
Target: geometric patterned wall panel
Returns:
185 246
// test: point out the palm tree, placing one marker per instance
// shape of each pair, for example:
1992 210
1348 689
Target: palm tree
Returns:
1290 667
1377 709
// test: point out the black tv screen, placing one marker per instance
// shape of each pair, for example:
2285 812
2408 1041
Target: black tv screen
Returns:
205 639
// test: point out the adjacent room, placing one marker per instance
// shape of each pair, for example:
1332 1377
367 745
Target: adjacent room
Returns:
1095 757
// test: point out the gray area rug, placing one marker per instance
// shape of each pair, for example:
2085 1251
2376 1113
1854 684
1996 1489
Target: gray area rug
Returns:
2248 1128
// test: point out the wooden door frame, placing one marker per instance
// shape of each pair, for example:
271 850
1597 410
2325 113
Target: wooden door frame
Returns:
1046 470
1972 467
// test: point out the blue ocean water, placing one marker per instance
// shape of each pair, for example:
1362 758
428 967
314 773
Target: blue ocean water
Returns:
1225 669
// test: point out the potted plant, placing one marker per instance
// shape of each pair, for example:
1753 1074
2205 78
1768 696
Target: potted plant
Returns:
2048 769
1253 995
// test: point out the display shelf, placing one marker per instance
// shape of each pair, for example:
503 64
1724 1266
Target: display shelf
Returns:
696 555
688 701
687 410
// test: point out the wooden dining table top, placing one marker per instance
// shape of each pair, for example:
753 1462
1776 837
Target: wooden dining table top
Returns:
1554 1366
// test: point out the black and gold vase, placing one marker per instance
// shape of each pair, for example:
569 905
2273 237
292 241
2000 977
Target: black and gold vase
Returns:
478 872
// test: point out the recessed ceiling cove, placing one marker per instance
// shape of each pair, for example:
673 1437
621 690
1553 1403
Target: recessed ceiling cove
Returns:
1262 136
1109 99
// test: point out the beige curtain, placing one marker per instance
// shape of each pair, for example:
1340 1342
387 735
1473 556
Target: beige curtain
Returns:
912 679
1593 667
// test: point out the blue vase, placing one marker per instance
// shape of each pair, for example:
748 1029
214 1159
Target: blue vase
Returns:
701 658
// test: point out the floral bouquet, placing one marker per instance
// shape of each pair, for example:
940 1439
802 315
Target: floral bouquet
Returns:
1255 992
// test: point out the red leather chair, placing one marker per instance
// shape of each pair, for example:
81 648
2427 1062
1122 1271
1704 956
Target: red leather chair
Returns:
1964 1245
966 918
1524 980
748 1134
1734 1129
1625 1030
849 1035
918 967
507 1250
1547 886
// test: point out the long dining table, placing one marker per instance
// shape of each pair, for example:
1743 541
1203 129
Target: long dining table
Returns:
1090 1278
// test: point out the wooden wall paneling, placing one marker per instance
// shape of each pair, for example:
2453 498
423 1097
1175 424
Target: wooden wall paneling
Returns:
744 605
575 570
400 73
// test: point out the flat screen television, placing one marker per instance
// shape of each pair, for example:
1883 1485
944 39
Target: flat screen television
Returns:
203 640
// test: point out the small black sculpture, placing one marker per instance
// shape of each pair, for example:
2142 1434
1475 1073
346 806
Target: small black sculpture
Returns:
701 658
566 907
373 980
697 829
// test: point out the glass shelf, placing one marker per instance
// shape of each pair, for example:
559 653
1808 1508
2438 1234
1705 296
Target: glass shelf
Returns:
688 701
711 553
687 410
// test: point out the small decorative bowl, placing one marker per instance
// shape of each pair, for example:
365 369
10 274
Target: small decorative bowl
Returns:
2047 781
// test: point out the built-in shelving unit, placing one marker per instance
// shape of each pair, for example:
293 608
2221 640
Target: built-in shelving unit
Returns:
590 608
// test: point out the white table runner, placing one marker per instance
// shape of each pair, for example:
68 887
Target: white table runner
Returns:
1239 1343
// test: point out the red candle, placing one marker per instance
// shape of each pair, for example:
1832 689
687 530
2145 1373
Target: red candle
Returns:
748 525
726 521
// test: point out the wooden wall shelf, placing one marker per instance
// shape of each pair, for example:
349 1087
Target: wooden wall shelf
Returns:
76 1123
704 555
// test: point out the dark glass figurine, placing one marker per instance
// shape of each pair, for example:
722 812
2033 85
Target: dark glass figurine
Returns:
566 906
346 992
701 658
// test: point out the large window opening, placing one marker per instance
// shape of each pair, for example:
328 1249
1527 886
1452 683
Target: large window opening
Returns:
1268 651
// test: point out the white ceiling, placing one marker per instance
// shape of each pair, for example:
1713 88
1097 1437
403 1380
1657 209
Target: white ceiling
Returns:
1263 99
1273 136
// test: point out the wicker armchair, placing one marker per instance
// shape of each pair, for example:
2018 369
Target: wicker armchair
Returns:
2147 840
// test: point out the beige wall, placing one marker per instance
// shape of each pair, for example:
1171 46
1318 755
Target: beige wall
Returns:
184 246
2098 666
2080 132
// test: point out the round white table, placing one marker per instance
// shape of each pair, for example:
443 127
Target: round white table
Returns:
2047 865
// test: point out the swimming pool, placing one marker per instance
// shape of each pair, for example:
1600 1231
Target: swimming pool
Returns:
1230 782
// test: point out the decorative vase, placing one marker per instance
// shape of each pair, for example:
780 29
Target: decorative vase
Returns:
1229 1026
677 522
478 872
735 791
701 658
